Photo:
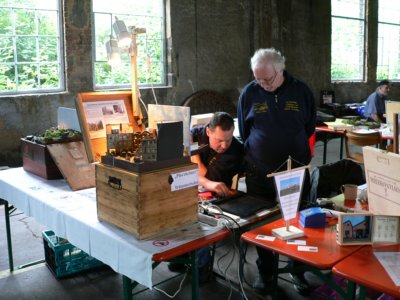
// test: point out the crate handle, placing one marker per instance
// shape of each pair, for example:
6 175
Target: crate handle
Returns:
114 182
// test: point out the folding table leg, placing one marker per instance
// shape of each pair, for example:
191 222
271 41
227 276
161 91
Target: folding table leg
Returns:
195 275
8 232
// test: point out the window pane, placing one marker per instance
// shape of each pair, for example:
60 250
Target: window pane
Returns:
6 50
48 49
388 52
7 78
347 49
26 49
49 76
150 45
25 22
47 21
389 11
348 8
5 21
27 76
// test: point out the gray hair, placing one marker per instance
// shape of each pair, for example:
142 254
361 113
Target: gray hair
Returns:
268 56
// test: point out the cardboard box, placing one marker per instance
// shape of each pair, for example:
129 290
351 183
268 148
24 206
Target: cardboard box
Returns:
149 203
383 181
36 159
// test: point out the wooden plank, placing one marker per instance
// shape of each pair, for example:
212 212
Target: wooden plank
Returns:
73 164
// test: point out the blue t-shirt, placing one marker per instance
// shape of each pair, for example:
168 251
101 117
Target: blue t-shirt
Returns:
375 105
276 125
220 166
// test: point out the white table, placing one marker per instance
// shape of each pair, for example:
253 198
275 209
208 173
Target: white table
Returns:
73 215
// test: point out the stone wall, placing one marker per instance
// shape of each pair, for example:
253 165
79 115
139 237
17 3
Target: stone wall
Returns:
210 43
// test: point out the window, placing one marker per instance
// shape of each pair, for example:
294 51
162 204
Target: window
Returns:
388 40
30 46
348 28
147 14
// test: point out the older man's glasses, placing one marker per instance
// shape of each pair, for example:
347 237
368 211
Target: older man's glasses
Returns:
267 81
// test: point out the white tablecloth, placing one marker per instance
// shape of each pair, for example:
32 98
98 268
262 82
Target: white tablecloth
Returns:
73 215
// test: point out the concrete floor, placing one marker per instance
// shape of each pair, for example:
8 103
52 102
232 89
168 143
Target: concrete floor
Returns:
38 282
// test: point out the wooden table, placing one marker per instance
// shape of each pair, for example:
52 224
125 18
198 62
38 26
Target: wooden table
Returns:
327 132
363 268
328 255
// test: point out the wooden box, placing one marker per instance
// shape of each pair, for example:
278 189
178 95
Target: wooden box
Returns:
36 159
144 204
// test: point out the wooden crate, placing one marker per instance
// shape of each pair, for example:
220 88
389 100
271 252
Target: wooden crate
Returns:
143 204
36 159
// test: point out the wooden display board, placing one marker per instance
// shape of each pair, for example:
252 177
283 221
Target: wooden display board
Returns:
94 110
72 161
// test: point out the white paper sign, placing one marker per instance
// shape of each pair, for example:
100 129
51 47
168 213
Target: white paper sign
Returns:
265 237
289 186
184 180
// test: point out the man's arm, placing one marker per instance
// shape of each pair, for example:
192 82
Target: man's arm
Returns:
214 186
377 118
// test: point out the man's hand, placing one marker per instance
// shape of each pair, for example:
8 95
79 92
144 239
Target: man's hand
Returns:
217 187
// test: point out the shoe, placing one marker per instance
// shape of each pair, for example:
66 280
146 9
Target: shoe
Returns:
300 284
261 285
177 267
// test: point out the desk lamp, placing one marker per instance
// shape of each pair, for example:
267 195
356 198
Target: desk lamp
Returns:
126 41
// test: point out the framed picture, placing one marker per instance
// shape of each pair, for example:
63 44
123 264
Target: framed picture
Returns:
98 109
355 229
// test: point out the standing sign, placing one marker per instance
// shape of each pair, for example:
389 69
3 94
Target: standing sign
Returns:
289 185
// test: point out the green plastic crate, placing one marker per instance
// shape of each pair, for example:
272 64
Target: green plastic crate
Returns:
63 258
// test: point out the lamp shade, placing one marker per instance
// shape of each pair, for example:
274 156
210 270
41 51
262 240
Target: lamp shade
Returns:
113 53
124 37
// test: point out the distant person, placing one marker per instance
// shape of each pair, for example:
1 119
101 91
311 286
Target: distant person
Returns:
276 115
222 156
375 109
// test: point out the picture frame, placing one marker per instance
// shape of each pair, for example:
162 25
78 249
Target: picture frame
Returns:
366 228
119 102
355 229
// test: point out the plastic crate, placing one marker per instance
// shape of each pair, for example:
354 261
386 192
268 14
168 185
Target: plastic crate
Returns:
63 258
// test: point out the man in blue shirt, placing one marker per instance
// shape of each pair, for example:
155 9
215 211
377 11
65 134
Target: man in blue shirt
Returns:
375 109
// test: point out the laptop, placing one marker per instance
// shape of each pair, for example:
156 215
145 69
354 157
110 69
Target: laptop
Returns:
243 205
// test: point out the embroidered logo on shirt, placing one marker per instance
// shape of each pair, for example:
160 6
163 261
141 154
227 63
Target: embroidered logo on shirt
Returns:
260 108
291 105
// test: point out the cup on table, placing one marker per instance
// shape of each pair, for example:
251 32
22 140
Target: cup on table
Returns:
350 193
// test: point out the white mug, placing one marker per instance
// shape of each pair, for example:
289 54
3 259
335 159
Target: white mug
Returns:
350 191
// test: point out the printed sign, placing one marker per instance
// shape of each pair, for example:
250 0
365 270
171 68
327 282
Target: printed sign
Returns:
184 180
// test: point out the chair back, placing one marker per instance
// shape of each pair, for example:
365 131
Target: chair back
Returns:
361 140
207 101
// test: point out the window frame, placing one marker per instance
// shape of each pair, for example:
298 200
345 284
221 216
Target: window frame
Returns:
364 58
163 61
60 51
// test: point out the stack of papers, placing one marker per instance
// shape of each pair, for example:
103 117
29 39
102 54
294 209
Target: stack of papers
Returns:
338 125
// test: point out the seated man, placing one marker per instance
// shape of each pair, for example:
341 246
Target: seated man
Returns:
221 158
375 109
218 161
